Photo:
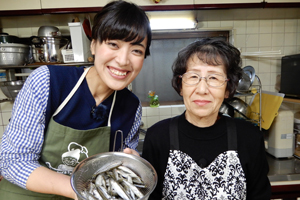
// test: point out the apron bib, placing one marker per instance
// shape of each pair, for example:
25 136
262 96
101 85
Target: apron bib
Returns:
63 149
224 178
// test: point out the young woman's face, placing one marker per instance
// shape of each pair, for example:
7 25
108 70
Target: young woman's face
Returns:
201 100
118 62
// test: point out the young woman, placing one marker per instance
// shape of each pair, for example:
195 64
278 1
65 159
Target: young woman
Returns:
65 114
202 154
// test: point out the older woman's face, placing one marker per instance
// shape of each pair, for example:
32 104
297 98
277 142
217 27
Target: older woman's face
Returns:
202 101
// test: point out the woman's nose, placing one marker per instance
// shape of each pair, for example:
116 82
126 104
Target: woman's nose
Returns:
202 86
123 57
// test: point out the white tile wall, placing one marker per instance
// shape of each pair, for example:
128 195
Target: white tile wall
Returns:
152 115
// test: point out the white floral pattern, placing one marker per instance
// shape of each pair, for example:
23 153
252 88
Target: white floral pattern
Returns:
223 179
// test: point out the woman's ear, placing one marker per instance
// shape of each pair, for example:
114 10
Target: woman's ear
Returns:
226 94
93 46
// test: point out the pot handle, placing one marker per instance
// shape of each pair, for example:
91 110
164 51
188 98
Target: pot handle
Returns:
36 40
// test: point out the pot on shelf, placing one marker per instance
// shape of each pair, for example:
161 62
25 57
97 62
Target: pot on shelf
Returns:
13 54
6 38
47 45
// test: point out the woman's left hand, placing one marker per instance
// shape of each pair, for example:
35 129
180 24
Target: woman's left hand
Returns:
131 151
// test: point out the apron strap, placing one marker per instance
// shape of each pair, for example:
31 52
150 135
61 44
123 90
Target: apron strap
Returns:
62 105
111 109
173 131
231 134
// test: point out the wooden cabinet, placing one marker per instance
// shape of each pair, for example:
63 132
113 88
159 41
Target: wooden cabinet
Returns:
50 4
7 5
36 7
228 4
162 2
282 1
226 1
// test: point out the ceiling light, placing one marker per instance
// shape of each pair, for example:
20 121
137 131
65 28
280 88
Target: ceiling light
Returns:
172 23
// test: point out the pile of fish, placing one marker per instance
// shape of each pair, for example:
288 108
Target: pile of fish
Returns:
114 181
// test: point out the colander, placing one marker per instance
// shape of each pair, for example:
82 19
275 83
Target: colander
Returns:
86 168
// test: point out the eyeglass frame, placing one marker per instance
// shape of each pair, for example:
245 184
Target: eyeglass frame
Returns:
200 77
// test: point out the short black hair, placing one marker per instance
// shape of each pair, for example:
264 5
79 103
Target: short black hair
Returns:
122 20
212 51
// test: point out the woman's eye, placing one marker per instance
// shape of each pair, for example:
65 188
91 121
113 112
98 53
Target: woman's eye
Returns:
112 44
138 52
213 78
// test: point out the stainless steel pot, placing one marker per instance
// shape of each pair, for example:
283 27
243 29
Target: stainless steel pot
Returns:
13 54
46 46
227 109
5 38
11 88
47 49
240 106
48 31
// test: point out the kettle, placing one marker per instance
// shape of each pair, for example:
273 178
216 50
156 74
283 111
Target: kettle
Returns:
46 46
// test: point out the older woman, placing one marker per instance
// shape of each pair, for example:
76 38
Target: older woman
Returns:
202 154
65 114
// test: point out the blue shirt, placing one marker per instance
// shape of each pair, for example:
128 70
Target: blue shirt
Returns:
41 94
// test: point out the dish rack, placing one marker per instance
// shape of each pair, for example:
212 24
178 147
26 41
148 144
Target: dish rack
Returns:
248 96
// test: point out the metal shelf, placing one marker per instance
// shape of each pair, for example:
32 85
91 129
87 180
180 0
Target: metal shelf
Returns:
249 93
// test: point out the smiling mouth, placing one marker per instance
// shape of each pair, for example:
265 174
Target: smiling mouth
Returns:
117 72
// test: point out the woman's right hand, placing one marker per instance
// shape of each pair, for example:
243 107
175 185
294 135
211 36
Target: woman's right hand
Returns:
131 151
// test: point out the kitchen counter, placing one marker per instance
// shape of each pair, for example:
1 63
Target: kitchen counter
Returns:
284 175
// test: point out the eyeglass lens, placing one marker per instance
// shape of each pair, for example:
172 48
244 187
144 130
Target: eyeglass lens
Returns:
214 80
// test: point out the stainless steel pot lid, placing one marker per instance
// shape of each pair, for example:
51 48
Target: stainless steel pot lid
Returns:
49 31
250 71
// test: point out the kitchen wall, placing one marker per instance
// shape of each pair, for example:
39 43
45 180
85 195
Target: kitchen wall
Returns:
252 30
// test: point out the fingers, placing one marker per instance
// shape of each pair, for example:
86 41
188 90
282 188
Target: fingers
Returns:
131 151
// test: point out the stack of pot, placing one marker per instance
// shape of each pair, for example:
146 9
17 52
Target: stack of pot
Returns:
12 51
46 46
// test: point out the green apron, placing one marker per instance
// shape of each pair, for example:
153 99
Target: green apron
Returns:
63 149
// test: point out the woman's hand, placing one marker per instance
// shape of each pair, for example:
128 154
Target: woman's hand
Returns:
131 151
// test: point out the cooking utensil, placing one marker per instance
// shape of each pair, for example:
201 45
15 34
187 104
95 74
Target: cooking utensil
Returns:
11 88
240 106
227 109
48 31
84 171
12 54
47 45
5 38
250 71
248 75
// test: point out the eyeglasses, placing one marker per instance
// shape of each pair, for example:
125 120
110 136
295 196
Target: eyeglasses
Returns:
213 80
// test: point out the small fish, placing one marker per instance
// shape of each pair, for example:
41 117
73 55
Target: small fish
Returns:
136 191
103 192
119 189
97 195
134 176
100 181
107 167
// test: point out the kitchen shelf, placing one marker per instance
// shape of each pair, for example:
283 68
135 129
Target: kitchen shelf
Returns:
290 100
36 65
245 94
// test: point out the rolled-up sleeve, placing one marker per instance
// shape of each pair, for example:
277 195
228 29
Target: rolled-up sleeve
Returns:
23 138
